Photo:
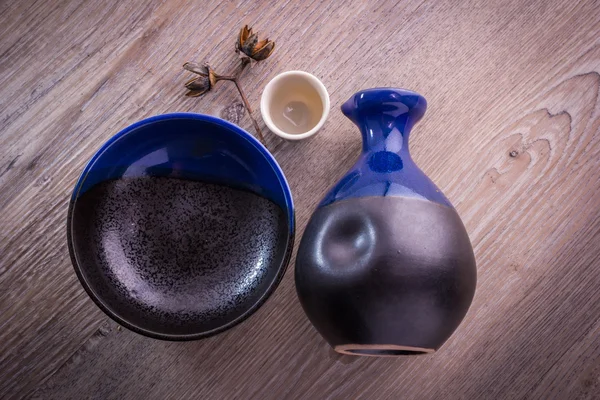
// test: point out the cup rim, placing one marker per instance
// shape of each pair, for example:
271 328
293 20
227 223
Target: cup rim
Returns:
316 83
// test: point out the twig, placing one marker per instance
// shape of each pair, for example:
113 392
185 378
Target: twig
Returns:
235 79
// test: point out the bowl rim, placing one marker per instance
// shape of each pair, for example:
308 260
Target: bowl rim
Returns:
282 267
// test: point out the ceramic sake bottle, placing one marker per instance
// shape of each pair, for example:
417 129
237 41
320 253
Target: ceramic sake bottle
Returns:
385 266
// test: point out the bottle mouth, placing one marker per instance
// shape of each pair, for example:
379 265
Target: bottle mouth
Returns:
383 350
391 102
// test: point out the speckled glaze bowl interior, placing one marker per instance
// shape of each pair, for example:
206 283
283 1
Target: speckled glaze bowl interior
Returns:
181 226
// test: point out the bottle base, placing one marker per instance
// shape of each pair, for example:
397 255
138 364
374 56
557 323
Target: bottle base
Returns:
381 350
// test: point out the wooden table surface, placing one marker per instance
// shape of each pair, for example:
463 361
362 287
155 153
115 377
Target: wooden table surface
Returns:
512 136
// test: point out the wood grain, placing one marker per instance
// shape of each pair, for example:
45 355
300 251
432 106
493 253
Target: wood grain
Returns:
512 136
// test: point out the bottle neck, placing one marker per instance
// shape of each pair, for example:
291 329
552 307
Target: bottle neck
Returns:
385 117
382 133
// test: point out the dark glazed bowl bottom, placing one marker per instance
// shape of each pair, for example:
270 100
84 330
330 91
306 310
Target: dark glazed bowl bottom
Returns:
376 350
177 258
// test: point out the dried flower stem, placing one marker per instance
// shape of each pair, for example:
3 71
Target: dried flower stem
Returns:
235 79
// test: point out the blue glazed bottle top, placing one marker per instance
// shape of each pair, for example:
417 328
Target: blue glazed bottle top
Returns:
385 117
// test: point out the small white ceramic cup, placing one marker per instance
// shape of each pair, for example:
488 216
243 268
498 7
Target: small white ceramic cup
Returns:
293 86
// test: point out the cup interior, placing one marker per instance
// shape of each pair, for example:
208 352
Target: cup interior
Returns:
294 105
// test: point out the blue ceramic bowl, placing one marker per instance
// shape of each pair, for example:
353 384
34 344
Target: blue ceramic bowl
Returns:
181 226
